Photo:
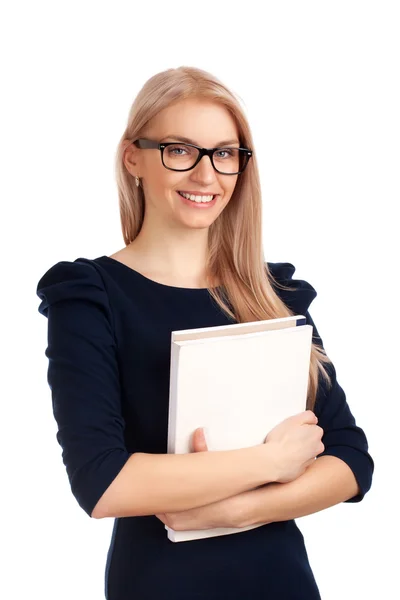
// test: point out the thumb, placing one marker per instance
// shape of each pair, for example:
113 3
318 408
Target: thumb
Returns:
199 443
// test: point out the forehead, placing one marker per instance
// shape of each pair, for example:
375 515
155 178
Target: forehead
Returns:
203 121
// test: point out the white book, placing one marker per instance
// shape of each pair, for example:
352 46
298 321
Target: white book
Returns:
239 381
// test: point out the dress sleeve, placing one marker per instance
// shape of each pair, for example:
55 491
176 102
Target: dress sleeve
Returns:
342 436
84 378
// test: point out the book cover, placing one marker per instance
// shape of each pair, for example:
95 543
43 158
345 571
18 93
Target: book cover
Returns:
239 381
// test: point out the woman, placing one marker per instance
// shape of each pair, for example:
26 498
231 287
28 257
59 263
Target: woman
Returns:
190 206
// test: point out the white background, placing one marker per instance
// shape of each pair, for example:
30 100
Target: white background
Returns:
320 84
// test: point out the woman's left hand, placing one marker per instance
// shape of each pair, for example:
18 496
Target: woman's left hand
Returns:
224 513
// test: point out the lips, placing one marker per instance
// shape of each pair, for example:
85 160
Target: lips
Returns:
196 193
203 204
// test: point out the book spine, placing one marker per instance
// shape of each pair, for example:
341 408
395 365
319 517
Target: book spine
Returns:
173 390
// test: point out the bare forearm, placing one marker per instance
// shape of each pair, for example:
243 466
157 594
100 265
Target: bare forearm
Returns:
160 483
327 482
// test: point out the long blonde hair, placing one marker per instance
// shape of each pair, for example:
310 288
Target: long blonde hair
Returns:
235 256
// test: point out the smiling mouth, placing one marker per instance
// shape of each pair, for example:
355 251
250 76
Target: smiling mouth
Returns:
198 198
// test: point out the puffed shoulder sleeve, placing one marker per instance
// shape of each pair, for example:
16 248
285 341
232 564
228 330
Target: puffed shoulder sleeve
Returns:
83 377
342 436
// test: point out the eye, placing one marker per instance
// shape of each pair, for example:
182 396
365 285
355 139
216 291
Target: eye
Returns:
178 150
228 151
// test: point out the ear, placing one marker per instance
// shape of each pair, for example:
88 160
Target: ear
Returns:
131 159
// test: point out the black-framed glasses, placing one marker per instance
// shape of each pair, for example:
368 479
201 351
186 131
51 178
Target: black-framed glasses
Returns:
178 156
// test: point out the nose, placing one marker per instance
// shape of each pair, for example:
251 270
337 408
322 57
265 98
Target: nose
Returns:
204 170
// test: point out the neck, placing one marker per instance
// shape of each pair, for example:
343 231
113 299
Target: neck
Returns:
179 255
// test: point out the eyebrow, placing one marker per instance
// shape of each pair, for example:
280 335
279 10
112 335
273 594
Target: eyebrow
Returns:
181 138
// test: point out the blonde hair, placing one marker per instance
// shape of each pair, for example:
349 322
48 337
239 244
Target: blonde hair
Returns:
235 253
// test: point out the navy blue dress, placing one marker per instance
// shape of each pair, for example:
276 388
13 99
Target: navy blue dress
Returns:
109 335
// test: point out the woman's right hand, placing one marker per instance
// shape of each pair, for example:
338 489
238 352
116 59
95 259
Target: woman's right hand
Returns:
294 444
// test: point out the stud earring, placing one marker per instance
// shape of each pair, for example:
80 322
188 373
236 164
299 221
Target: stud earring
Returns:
137 181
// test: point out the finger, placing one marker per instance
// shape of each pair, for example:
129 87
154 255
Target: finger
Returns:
308 417
161 517
199 443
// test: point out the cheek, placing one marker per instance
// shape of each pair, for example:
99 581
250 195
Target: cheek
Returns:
229 193
163 186
162 180
169 182
231 188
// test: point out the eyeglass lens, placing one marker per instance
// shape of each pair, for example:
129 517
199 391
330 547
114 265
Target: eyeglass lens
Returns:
226 160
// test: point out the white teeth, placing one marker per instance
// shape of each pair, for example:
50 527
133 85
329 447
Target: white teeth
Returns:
197 198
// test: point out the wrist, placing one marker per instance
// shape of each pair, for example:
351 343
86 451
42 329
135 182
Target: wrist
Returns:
267 464
248 513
